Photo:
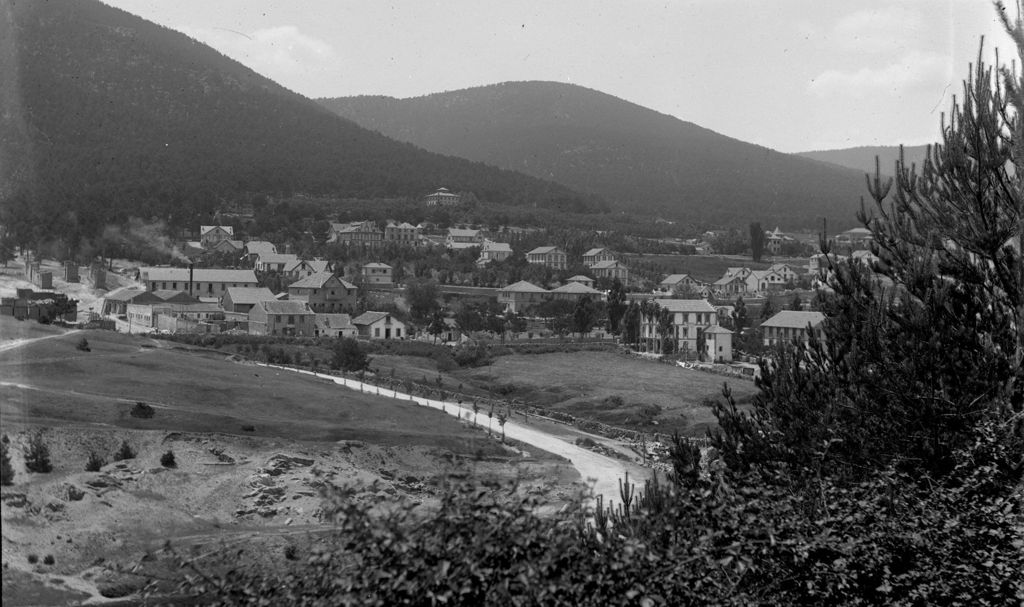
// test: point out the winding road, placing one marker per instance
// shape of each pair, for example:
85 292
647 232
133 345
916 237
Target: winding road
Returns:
601 472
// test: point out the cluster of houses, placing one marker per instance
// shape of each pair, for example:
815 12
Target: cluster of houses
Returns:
734 282
203 300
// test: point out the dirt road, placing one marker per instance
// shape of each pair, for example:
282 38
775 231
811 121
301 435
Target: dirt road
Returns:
602 472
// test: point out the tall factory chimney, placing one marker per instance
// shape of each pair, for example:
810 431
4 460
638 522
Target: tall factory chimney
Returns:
191 266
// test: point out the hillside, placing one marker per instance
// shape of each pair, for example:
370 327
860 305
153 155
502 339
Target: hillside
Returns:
863 158
637 159
127 117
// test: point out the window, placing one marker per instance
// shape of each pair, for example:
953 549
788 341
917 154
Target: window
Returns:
291 319
376 332
174 286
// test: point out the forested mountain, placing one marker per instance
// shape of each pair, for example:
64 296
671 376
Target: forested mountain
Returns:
863 158
125 117
636 158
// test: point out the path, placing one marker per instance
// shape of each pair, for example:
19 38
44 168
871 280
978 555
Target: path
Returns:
18 343
601 471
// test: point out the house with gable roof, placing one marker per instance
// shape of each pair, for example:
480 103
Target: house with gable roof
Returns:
690 318
574 291
325 293
519 296
463 238
209 282
242 299
301 268
334 325
376 274
379 325
596 255
274 262
789 273
764 281
493 251
363 233
611 269
287 318
791 324
729 285
403 233
549 256
210 236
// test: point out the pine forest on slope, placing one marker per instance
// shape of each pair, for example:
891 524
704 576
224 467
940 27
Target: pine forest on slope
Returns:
639 160
117 116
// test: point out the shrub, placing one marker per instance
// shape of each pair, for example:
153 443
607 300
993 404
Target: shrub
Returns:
6 470
94 463
125 452
142 410
48 559
83 345
248 428
37 457
290 552
33 559
167 460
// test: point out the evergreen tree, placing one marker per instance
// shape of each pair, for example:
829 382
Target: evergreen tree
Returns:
756 241
796 304
616 305
915 359
37 456
583 315
768 309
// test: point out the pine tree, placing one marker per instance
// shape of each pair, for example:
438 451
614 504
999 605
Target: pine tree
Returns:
756 241
37 456
920 355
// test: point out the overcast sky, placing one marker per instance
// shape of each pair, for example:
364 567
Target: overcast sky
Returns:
794 75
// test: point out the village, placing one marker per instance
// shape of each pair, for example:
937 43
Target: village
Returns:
220 284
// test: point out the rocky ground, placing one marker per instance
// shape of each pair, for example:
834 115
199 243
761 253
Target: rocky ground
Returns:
73 536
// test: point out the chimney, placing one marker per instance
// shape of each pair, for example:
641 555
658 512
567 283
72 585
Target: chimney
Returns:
191 265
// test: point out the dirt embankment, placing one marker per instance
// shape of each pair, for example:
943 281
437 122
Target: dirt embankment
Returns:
71 536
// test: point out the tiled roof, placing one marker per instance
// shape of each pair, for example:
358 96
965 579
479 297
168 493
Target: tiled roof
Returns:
375 264
199 275
794 319
685 305
490 245
593 252
277 257
260 246
249 295
368 318
313 281
606 264
285 307
542 250
205 229
524 287
575 288
334 321
465 232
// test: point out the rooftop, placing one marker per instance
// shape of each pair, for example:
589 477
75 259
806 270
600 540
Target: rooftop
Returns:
199 275
524 287
685 305
794 319
285 307
249 295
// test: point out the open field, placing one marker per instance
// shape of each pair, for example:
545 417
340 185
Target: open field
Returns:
253 446
51 381
655 397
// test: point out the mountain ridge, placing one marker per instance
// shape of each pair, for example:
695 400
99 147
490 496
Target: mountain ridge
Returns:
632 156
131 118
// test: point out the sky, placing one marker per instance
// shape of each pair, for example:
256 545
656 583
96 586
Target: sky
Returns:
793 75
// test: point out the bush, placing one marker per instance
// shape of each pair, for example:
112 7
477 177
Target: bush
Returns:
83 345
167 460
33 559
37 457
142 411
125 452
49 560
94 463
248 428
6 470
290 552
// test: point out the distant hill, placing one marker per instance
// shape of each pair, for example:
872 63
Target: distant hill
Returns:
863 158
636 158
128 117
